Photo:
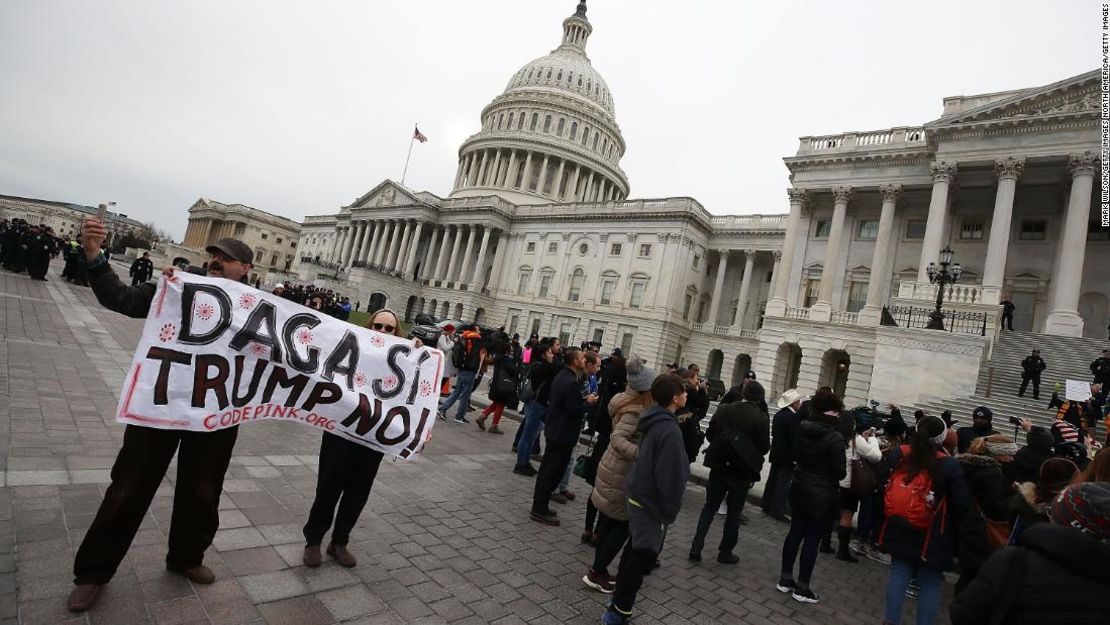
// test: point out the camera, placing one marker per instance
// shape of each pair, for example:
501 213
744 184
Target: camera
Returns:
1016 421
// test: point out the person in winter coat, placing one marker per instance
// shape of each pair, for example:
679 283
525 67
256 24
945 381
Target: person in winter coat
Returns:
542 372
990 491
981 425
784 430
445 344
1028 460
730 475
814 494
655 487
502 389
608 496
1033 501
1031 369
925 553
1056 575
614 373
863 446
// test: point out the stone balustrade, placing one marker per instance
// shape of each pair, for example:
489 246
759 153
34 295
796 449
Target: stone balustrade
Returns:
970 294
853 141
801 314
750 222
844 317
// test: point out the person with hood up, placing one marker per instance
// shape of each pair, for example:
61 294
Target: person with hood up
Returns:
981 419
739 436
1032 503
924 553
1056 575
1028 460
814 493
655 487
981 532
609 495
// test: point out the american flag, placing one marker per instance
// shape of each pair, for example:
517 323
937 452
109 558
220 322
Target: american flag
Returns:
416 134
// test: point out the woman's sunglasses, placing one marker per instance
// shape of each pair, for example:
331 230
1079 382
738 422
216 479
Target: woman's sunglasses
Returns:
383 327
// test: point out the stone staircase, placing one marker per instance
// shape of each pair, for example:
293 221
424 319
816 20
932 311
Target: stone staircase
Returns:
1067 358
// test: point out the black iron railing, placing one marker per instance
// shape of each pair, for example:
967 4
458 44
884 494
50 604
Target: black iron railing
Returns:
955 321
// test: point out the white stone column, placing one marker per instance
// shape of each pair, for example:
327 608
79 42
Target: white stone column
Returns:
344 232
507 181
557 184
414 245
943 175
482 167
403 249
383 248
573 195
356 244
441 261
430 259
718 287
543 174
468 256
882 258
776 306
498 261
454 261
399 235
478 265
1008 171
371 229
527 172
745 287
1064 318
822 309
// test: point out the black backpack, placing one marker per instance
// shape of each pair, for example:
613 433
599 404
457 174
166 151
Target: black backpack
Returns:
458 352
737 454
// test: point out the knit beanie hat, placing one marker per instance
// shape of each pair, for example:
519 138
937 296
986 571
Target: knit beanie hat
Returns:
639 375
753 392
1085 507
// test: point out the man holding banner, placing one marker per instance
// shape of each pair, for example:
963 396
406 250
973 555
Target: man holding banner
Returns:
147 452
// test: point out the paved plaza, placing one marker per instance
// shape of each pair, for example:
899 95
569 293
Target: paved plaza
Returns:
444 539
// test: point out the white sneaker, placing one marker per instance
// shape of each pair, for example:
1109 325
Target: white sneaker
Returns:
805 595
872 553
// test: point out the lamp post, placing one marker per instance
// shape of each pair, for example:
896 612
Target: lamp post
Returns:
947 273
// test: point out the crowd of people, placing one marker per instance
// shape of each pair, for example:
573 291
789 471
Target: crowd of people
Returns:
1026 526
30 247
324 300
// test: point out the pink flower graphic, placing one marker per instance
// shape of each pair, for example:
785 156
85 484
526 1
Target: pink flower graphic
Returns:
360 379
304 337
205 311
258 349
377 341
425 388
166 333
389 382
247 300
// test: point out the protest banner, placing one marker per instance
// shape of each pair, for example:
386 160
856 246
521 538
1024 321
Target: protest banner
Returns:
1077 390
216 353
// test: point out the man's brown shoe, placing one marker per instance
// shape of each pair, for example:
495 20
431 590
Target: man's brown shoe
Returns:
199 574
340 553
83 597
311 557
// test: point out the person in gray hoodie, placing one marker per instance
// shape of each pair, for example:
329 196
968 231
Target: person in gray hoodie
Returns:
654 487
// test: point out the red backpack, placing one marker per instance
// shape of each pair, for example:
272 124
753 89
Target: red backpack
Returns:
912 500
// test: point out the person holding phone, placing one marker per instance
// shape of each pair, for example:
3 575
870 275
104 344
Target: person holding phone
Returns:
146 453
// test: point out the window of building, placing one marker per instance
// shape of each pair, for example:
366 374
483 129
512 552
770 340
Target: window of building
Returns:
573 131
265 236
822 230
500 121
598 334
520 121
535 121
915 229
565 331
293 244
645 250
545 284
514 321
686 303
1033 230
576 280
697 260
278 240
583 249
510 125
637 297
547 123
857 296
971 230
530 247
559 128
701 311
608 287
626 343
585 134
522 281
535 326
868 230
614 249
813 289
596 137
552 247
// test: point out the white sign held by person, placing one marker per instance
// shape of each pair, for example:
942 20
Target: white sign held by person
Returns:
216 353
1077 390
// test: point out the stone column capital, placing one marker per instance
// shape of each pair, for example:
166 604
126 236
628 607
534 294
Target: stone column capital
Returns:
890 192
750 253
1009 167
943 171
797 195
777 254
724 254
1082 164
841 195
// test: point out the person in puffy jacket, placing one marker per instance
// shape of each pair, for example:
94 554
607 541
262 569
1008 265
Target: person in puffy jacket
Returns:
731 478
609 495
1033 501
990 491
1028 460
1056 575
502 388
814 494
863 446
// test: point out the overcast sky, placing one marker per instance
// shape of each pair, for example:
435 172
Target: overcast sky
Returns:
297 108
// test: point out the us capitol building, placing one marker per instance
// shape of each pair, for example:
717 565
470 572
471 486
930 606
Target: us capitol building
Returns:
539 234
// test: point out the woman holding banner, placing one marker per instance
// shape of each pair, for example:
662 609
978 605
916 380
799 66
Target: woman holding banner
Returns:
347 473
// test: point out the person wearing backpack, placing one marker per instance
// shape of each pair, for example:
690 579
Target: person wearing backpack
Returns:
739 436
926 499
986 528
469 357
1056 575
502 389
542 372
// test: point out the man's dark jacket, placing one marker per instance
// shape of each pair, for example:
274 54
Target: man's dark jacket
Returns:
784 432
743 418
565 408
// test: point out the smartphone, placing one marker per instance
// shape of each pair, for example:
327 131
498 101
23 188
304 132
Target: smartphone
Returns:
101 211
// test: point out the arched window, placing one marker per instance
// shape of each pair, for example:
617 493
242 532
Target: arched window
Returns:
560 76
510 126
520 121
577 279
549 73
559 128
579 82
547 123
529 74
596 137
573 131
500 121
585 135
535 121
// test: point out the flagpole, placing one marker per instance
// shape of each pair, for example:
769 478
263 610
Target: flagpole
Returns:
412 140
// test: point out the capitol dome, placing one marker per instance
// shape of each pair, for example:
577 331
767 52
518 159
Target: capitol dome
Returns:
551 136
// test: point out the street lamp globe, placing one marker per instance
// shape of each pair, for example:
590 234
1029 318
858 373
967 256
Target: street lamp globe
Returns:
946 256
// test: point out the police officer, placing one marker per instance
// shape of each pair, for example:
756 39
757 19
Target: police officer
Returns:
147 452
141 269
39 247
1031 369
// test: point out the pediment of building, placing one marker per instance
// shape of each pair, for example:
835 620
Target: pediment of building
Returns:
1077 95
387 193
